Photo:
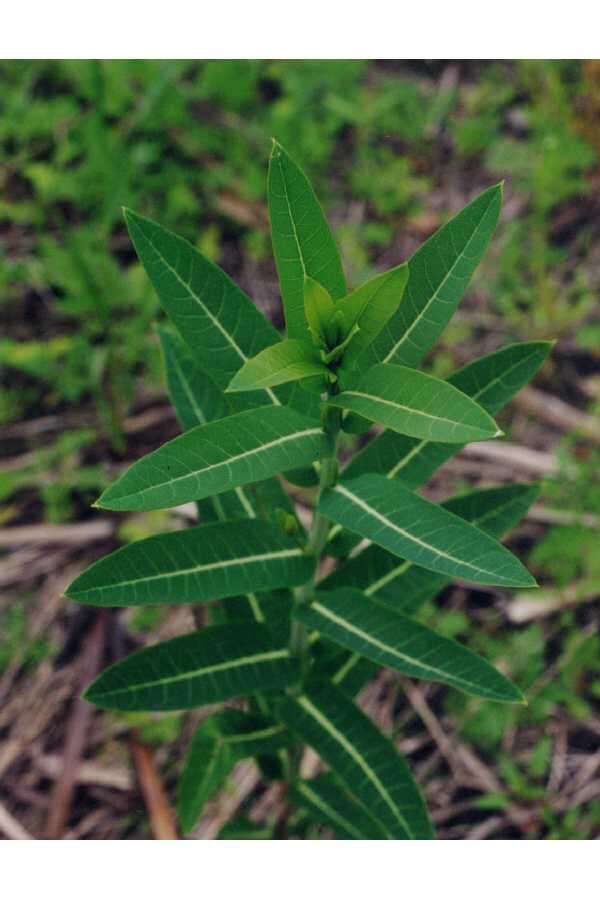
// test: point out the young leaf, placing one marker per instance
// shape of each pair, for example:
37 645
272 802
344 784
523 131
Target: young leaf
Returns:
365 761
248 446
318 310
404 586
370 307
302 241
348 618
330 805
206 666
204 563
388 513
218 744
278 364
491 381
440 271
219 322
416 404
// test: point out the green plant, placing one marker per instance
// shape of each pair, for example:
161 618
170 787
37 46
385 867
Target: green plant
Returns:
299 647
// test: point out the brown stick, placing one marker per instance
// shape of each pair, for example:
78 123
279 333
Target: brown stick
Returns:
62 794
162 819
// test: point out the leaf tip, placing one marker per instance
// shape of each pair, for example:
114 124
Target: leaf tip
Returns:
499 433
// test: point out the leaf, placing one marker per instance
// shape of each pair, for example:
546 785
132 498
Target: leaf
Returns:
365 761
248 446
370 307
204 563
318 310
491 381
349 618
388 513
416 404
404 586
217 746
440 271
330 805
207 666
302 240
195 398
218 321
278 364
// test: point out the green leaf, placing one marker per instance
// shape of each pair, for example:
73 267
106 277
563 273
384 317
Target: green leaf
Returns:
217 746
195 398
440 271
283 362
370 307
330 805
302 240
491 381
318 310
404 586
349 618
416 404
248 446
411 527
219 322
204 563
207 666
365 761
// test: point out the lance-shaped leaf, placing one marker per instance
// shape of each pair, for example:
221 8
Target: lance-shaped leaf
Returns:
218 744
440 271
405 586
349 618
215 317
332 806
302 240
318 310
195 398
248 446
278 364
365 761
491 381
370 307
208 562
411 527
207 666
416 404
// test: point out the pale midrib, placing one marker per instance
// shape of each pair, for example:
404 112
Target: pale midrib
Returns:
412 411
385 579
435 295
411 537
188 287
262 734
267 656
329 811
226 462
386 648
207 567
337 735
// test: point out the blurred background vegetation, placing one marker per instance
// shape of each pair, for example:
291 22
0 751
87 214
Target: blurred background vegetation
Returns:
393 148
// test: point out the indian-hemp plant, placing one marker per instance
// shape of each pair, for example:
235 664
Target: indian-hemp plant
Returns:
286 648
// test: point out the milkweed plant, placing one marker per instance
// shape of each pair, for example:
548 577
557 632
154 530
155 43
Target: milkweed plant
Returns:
287 649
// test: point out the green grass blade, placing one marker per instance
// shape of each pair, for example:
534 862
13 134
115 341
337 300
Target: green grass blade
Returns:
349 618
246 447
411 527
440 271
198 564
302 240
207 666
416 404
364 760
